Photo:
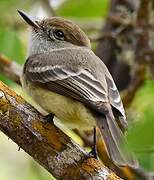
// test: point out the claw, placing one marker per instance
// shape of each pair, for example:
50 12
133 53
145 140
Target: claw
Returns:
93 152
49 118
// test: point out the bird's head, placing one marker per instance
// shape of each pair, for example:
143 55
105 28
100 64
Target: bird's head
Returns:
54 33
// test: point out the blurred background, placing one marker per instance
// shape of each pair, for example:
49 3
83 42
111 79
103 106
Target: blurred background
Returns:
121 33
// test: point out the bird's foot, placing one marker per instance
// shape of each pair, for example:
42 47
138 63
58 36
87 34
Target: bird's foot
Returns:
49 118
93 153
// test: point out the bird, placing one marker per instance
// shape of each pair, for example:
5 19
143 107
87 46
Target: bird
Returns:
65 77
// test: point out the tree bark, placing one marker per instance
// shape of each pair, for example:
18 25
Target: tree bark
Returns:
47 144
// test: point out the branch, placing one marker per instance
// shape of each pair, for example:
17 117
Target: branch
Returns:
47 144
118 20
119 25
10 69
7 68
138 77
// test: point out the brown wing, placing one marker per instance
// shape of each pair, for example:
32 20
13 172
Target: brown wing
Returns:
117 105
79 84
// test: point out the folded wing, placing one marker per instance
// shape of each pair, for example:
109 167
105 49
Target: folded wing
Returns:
62 73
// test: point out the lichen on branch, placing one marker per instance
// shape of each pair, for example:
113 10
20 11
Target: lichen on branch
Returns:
47 144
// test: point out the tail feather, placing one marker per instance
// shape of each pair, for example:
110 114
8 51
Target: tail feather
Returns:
115 141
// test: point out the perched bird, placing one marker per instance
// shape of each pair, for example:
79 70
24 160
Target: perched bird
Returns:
65 77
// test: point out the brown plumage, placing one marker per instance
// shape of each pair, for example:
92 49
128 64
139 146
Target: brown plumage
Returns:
72 31
65 77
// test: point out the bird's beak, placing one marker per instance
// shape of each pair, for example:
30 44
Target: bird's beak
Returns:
30 20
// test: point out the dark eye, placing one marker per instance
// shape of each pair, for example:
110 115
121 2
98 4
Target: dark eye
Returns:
59 34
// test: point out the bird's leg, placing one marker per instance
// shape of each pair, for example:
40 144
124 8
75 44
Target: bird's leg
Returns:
49 118
94 153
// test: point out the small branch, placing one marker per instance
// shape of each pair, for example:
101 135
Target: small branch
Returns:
117 20
140 61
142 174
47 144
10 69
10 72
110 48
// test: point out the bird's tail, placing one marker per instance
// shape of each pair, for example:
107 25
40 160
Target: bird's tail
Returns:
115 141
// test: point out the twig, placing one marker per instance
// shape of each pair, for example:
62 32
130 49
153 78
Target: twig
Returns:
142 174
117 20
101 147
135 35
10 69
47 144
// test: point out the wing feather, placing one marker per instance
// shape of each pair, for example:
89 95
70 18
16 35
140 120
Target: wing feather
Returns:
84 85
81 85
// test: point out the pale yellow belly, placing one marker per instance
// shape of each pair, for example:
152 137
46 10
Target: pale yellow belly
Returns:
70 112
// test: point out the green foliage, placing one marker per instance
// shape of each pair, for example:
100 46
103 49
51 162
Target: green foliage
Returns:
11 45
84 8
8 8
141 135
